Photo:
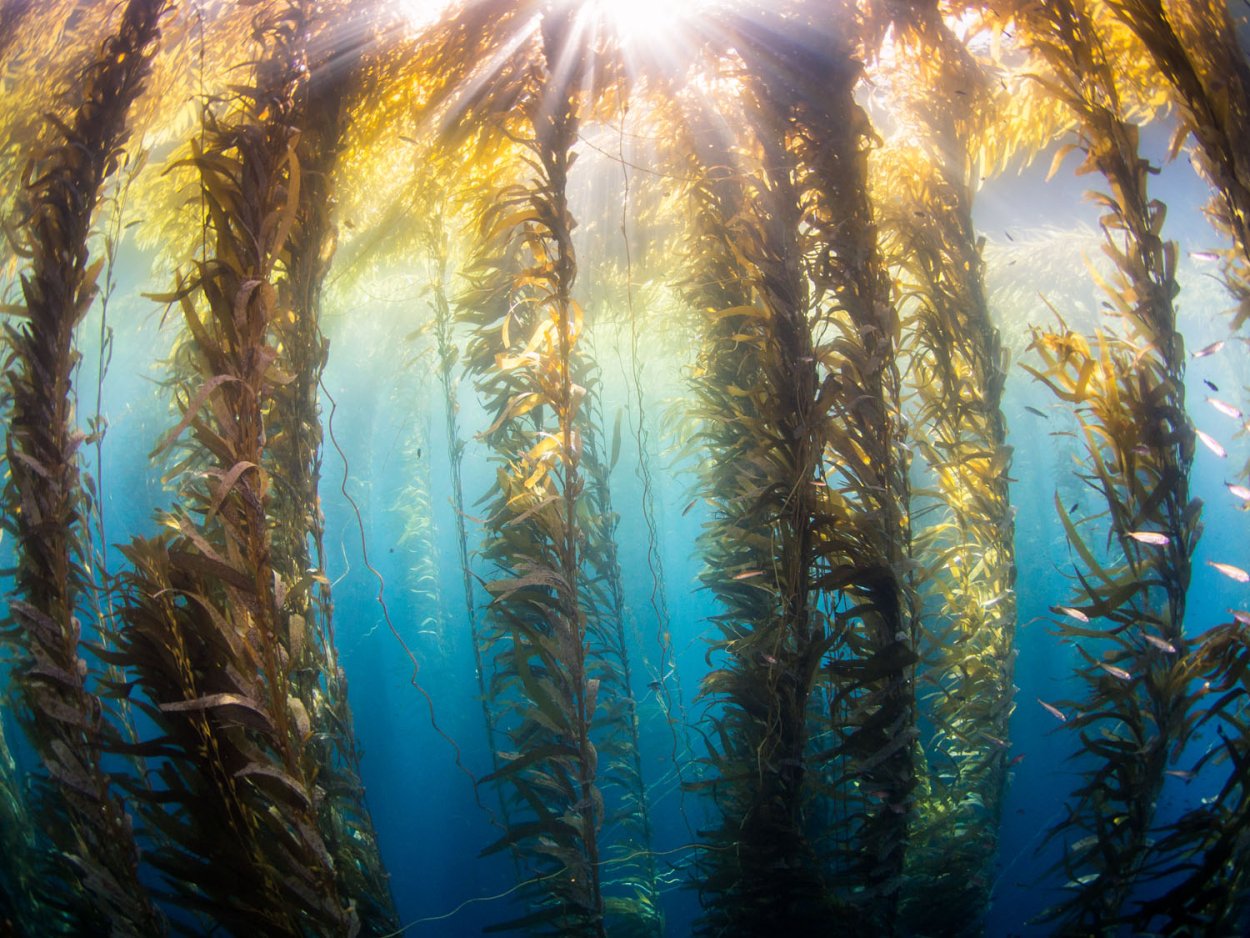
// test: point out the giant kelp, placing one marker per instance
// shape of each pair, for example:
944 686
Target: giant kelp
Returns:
1127 386
46 502
856 749
958 370
809 553
293 460
209 633
558 688
1194 45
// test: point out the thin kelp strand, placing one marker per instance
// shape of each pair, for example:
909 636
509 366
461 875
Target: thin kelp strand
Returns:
668 676
380 596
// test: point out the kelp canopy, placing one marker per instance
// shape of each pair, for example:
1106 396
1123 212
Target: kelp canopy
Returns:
664 357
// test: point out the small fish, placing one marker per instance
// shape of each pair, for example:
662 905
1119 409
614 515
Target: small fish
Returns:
655 685
1076 506
1212 444
989 603
1053 710
1069 611
1228 410
1238 490
1115 672
1233 573
1212 385
1034 410
1209 349
685 511
1008 234
1016 761
1207 256
747 574
1241 616
1179 773
1153 538
1000 743
767 659
1160 643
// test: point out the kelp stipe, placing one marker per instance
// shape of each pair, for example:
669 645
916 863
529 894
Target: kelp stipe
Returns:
293 458
956 376
863 555
555 688
210 636
46 504
627 821
760 871
1127 386
810 558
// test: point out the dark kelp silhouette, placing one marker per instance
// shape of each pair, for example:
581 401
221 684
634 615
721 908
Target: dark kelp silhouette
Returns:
957 369
46 503
559 687
810 550
213 632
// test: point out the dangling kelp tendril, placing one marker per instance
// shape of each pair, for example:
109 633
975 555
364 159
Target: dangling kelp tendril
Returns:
211 625
958 370
557 687
46 506
1127 386
293 454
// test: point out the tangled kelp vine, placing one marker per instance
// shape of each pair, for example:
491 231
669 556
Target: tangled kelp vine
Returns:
1128 388
87 826
559 688
213 631
809 552
958 371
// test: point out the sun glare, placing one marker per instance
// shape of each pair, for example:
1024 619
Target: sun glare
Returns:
641 20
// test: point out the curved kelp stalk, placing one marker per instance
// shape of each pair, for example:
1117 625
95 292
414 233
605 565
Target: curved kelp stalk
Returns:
557 690
958 370
46 505
1126 619
209 634
293 455
808 552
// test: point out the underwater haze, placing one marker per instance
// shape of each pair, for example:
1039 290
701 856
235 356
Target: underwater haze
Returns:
598 468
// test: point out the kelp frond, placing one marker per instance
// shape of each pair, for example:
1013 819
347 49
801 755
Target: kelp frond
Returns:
1127 386
45 500
214 630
